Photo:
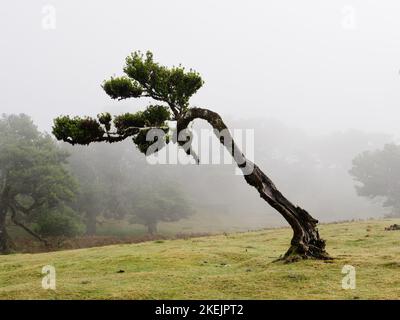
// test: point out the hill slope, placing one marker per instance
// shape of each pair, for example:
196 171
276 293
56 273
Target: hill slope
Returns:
234 266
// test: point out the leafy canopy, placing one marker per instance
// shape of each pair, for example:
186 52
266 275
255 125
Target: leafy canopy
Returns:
143 78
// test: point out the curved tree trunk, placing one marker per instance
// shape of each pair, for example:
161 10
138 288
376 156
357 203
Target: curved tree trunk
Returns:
306 242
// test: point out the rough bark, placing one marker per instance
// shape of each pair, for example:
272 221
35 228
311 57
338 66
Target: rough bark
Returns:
306 242
5 241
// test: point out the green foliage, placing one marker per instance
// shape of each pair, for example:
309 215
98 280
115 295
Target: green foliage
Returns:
78 130
143 141
174 85
60 222
379 174
129 120
31 164
153 116
105 119
122 88
32 173
156 115
144 78
86 130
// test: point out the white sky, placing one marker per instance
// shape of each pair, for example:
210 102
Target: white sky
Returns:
302 62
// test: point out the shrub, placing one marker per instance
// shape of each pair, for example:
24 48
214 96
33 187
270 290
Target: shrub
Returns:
60 222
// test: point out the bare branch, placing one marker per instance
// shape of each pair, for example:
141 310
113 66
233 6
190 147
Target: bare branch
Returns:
20 224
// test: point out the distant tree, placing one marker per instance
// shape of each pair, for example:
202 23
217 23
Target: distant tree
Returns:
32 176
159 204
378 173
173 87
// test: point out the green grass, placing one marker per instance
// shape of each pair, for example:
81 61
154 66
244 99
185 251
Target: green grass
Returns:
233 266
197 223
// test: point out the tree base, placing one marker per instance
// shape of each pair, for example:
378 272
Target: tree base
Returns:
306 242
302 252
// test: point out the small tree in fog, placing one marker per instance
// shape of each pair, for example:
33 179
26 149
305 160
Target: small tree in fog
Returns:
172 88
159 204
378 175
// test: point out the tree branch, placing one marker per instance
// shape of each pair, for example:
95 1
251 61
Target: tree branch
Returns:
20 224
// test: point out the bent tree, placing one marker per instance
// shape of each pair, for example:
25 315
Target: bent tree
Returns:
172 88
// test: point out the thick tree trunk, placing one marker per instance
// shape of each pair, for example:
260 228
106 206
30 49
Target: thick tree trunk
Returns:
306 242
5 242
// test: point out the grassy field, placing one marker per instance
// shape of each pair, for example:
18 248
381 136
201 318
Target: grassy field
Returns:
232 266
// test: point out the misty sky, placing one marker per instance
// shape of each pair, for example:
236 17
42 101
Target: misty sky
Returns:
318 65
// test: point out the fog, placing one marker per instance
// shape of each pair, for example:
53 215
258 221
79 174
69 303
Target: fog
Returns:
318 82
295 61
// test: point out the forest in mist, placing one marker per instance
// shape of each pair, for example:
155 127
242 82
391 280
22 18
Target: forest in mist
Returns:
117 188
